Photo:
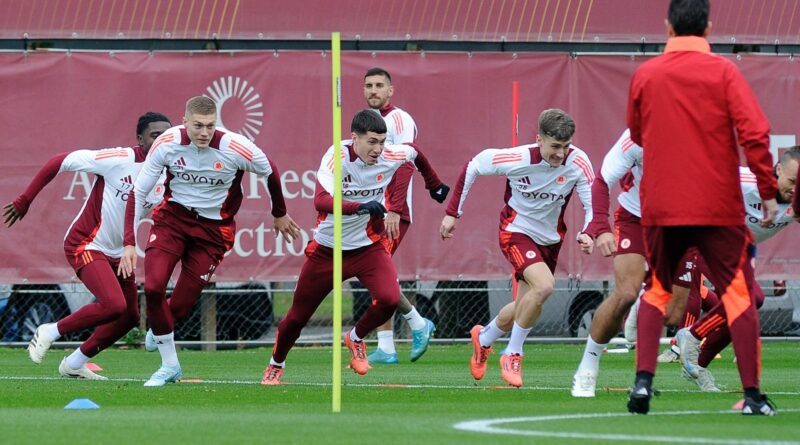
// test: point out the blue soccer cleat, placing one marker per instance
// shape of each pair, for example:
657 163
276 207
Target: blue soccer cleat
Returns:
165 374
380 357
420 339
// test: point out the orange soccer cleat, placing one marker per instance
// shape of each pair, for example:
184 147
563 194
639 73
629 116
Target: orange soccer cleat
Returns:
358 354
511 369
480 354
272 375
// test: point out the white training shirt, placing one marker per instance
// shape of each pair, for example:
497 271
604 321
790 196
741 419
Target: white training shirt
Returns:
99 224
753 211
204 180
625 156
539 192
360 183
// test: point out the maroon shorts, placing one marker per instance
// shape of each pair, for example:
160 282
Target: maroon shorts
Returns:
521 252
201 243
628 232
79 259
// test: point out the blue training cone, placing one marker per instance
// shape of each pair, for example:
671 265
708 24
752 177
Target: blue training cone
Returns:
82 404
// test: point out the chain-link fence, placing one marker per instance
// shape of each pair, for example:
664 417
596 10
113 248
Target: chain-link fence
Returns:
248 313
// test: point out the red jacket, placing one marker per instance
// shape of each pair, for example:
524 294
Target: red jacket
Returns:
687 108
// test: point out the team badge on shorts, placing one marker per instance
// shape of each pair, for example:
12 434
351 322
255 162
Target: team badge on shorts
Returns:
159 189
218 165
379 178
561 179
625 243
152 237
530 254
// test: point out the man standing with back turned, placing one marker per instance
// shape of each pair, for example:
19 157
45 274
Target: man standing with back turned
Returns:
691 110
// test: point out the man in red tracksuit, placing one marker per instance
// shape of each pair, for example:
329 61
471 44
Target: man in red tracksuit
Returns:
691 110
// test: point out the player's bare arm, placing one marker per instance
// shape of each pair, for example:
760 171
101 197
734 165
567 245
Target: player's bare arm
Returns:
392 224
606 244
586 242
448 227
770 210
286 226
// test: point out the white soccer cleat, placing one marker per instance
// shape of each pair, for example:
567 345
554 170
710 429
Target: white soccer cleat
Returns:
689 351
705 381
584 384
630 323
39 344
150 344
81 373
165 374
670 355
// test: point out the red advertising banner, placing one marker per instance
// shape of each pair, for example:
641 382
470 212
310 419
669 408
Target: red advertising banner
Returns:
734 21
55 102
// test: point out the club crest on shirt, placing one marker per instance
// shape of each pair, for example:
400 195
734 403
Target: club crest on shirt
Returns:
379 177
561 180
218 165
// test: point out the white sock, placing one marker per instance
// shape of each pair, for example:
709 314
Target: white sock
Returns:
414 319
518 336
166 347
51 329
353 335
386 342
77 359
591 356
274 363
490 333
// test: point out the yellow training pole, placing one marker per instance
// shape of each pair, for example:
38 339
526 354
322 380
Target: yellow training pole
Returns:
336 85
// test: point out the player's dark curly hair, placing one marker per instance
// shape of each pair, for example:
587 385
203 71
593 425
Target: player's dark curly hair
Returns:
148 118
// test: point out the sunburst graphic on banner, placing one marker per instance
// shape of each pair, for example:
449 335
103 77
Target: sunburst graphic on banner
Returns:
239 106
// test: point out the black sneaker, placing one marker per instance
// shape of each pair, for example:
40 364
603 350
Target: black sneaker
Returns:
763 407
639 400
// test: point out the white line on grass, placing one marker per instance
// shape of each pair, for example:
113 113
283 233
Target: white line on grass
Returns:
488 426
392 385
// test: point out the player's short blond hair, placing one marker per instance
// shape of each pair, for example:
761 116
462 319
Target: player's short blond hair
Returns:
200 105
556 124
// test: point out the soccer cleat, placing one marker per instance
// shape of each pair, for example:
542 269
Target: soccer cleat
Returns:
639 399
671 354
81 373
705 381
480 354
630 323
689 351
511 369
150 344
763 407
165 374
39 344
358 354
378 356
272 375
584 384
420 339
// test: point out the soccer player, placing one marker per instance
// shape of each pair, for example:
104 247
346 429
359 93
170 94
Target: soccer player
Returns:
367 169
93 245
400 129
713 325
195 223
691 110
541 180
622 164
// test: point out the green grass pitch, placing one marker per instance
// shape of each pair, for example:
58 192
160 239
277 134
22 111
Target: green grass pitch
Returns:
408 403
